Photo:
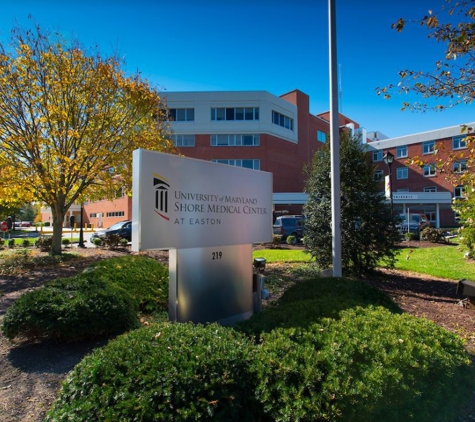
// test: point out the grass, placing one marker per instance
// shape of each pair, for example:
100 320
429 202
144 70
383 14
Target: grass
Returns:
282 255
442 261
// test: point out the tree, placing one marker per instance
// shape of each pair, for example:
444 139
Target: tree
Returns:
452 81
368 229
69 122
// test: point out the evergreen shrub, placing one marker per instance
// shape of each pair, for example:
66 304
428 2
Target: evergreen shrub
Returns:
106 298
163 372
310 301
70 309
143 277
369 365
26 243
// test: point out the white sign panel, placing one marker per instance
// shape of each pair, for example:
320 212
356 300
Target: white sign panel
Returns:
182 203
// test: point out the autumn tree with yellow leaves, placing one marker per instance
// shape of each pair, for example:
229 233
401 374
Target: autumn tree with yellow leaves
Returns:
69 121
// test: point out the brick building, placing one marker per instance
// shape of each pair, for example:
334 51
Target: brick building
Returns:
252 129
420 189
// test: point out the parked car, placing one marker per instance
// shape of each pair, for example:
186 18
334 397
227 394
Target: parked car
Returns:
416 223
122 228
289 225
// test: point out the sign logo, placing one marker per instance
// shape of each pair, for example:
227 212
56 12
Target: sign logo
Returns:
161 195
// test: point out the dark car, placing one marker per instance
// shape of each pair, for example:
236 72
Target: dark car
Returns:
289 225
122 228
416 223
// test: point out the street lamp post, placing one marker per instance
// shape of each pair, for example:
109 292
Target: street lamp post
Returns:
388 159
81 234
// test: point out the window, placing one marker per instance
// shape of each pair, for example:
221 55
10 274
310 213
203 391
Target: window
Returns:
281 120
428 147
321 136
184 140
250 163
430 189
403 190
402 173
401 151
458 142
429 170
181 114
378 155
460 166
237 113
115 214
92 215
378 175
459 192
234 140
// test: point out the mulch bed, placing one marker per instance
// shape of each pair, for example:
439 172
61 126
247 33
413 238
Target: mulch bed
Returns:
30 374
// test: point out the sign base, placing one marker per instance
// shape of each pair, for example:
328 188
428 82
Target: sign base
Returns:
211 284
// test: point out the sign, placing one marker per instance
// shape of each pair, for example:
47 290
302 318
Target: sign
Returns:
4 226
181 202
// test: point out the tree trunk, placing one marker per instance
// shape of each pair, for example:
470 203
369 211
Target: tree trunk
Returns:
58 218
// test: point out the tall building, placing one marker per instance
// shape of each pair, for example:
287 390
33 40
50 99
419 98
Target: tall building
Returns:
252 129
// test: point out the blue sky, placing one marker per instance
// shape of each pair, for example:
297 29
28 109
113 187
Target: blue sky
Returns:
271 45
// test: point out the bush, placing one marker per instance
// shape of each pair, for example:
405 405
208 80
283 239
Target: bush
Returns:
143 277
112 241
291 240
105 299
164 372
65 241
11 243
409 236
433 235
97 241
370 365
70 309
44 243
123 242
311 301
26 243
276 239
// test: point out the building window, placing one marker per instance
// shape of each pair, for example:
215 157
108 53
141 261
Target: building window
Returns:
428 147
459 192
377 156
401 151
115 214
93 215
458 142
236 113
250 163
378 175
403 190
321 136
460 166
402 173
184 140
429 170
181 114
235 140
282 120
430 189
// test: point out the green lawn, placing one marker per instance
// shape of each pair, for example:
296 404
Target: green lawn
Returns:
443 261
440 261
282 255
